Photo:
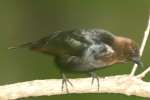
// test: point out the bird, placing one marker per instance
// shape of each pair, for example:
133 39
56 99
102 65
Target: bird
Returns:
85 50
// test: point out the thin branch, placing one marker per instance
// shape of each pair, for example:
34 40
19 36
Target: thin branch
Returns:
143 74
122 84
146 34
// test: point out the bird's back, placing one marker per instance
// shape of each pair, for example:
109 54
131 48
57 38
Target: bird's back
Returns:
72 42
60 43
82 49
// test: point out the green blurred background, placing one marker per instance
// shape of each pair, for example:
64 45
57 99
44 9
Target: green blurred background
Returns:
27 20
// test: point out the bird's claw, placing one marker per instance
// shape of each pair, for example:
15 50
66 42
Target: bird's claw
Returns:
64 82
95 76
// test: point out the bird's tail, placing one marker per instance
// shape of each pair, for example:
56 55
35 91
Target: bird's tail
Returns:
24 45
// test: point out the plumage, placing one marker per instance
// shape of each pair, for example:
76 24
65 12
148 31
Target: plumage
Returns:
77 50
86 50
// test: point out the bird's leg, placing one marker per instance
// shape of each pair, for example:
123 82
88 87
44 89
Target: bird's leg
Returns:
95 76
64 82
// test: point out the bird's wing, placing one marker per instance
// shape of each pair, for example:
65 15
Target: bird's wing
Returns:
98 36
67 42
73 42
92 58
97 51
93 46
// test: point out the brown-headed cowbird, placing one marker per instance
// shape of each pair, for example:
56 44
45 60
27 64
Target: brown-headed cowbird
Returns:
86 50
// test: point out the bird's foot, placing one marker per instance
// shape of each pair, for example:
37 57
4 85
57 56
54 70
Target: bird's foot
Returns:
95 76
65 82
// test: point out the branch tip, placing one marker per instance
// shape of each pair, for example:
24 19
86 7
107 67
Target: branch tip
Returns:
143 74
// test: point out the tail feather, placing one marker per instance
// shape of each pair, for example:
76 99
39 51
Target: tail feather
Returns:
24 45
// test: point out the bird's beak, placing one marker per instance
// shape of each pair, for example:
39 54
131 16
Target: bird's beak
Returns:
138 61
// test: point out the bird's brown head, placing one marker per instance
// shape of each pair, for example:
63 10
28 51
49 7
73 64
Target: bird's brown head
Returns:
128 50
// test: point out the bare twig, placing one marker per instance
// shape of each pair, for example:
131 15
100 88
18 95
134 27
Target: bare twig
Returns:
146 34
142 75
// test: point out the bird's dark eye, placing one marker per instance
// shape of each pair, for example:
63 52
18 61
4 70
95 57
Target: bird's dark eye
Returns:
93 51
135 52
